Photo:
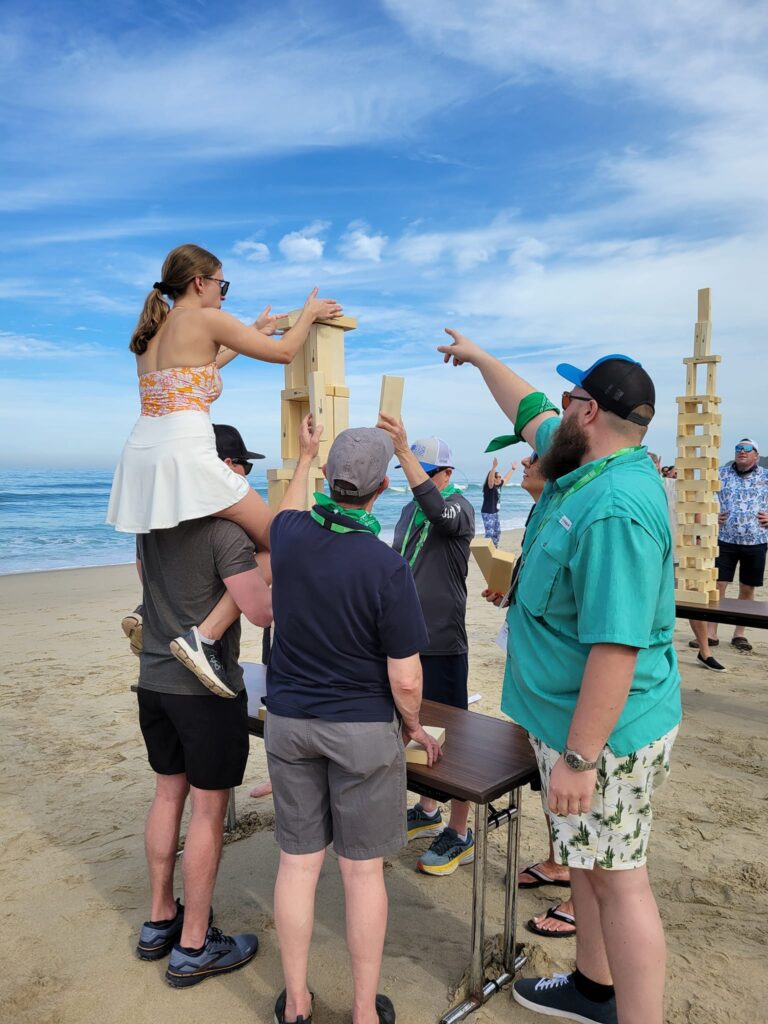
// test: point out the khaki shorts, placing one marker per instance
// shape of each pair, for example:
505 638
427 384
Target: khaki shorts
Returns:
614 834
337 782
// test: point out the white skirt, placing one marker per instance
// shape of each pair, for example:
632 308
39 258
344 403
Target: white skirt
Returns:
169 472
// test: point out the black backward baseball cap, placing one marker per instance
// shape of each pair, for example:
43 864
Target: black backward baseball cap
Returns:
230 444
616 383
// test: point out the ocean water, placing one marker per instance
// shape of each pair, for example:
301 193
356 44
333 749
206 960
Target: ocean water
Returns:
54 519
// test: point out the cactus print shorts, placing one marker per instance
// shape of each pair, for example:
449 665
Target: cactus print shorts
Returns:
614 834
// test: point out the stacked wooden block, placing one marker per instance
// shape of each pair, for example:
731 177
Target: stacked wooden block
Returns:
698 445
314 382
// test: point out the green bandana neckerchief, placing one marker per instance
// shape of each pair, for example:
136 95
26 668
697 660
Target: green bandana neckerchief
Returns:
332 516
420 522
530 407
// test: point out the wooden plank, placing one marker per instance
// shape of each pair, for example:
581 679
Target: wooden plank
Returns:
703 462
702 360
699 419
296 372
391 397
702 336
288 320
704 400
415 753
711 379
326 353
482 550
340 415
341 390
502 563
683 595
290 423
276 492
704 304
317 410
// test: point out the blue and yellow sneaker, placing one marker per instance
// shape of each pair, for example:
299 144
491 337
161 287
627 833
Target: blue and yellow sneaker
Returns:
447 852
418 823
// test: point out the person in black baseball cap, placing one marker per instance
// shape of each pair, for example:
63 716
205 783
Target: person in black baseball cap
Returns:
231 449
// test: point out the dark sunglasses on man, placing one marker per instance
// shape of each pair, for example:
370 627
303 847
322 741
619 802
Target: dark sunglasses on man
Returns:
247 466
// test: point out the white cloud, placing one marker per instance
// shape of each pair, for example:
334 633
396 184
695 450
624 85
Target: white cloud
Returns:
21 346
254 252
359 244
304 246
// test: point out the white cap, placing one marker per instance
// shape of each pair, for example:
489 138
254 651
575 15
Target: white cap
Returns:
748 440
432 453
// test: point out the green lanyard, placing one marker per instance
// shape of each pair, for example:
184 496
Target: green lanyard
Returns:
588 477
419 543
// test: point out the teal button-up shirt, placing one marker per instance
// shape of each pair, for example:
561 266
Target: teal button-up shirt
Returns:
597 569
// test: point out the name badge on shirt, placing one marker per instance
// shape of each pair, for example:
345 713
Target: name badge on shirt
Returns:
565 522
502 635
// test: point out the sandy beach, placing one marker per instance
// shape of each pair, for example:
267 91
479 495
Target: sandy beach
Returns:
76 787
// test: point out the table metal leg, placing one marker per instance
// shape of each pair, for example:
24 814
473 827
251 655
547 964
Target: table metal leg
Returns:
480 990
231 819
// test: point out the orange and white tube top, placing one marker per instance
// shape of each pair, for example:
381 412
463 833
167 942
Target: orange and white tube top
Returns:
179 389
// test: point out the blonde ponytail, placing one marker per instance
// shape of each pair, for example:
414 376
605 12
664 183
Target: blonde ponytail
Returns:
182 265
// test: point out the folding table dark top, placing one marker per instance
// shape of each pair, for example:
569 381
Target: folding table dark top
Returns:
483 758
728 610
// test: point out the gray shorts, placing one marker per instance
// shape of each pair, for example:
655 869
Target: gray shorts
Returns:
337 782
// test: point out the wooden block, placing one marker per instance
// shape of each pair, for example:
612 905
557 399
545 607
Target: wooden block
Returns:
698 400
326 353
415 753
346 323
338 390
706 463
694 575
315 482
318 406
704 484
290 424
500 576
711 378
284 473
391 397
699 419
701 360
685 596
704 304
482 549
704 473
702 336
340 415
276 492
296 372
295 394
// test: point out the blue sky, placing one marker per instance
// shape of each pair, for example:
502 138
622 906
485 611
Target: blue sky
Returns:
555 179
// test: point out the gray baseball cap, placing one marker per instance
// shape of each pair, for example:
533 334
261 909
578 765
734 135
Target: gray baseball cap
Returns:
358 460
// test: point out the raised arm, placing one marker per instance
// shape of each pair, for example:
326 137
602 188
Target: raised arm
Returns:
233 334
512 469
309 445
492 473
265 323
504 384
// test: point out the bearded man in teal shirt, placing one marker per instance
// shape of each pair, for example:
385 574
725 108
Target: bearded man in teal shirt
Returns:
591 672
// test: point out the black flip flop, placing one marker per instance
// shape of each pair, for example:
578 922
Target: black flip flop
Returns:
541 878
558 915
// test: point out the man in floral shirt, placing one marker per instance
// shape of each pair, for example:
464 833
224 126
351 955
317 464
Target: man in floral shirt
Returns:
743 529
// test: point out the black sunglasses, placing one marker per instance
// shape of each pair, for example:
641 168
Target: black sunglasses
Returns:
247 466
223 285
567 398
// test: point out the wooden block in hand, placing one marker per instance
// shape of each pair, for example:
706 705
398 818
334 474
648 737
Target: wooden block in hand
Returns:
502 563
391 397
415 753
482 549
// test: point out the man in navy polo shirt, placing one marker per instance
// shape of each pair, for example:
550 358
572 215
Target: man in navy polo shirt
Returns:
343 693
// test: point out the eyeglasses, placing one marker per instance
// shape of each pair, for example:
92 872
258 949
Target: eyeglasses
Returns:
567 398
534 458
223 285
247 466
745 447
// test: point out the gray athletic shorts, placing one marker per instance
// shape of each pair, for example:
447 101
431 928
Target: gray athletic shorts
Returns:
337 782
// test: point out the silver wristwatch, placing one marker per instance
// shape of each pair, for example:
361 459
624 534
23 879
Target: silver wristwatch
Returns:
576 762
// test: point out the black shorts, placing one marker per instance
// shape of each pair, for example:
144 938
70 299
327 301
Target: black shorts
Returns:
750 559
204 738
445 678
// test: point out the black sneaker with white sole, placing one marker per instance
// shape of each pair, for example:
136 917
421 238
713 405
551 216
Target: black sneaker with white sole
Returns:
710 663
157 938
204 660
559 997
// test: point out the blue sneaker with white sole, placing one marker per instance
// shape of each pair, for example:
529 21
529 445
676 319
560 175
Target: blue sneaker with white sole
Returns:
220 955
447 852
559 997
418 823
157 938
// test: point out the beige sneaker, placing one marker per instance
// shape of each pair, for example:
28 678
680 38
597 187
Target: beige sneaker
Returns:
133 627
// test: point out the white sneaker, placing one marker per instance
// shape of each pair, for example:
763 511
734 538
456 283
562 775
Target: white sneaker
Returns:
204 660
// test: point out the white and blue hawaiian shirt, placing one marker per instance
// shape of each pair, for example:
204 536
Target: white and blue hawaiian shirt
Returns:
742 496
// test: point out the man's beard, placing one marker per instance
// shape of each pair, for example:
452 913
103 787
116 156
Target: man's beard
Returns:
568 447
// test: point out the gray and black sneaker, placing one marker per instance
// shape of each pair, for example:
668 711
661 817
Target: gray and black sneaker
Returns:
711 663
220 954
204 660
559 997
418 824
385 1010
279 1017
133 627
157 938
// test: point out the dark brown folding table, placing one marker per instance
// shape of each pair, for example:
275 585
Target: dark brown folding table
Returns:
729 610
483 759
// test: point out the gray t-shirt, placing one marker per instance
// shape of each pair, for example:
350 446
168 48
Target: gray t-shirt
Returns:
440 567
183 570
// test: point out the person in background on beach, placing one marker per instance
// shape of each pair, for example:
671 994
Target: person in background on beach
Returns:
344 665
559 921
743 536
491 496
169 472
433 535
591 671
196 745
